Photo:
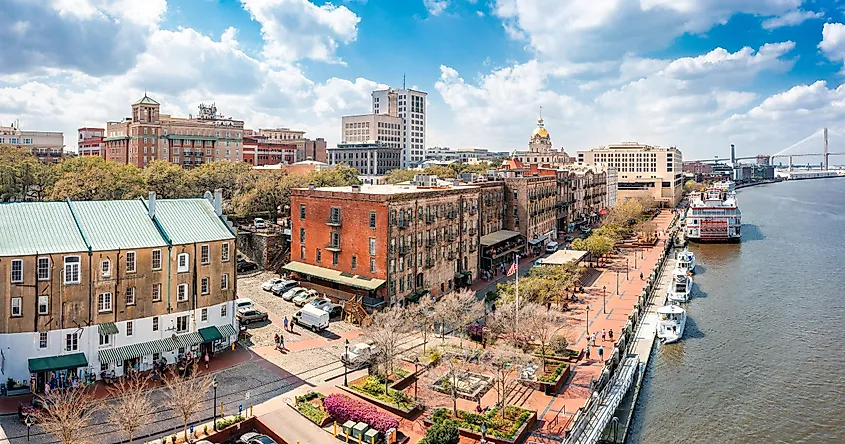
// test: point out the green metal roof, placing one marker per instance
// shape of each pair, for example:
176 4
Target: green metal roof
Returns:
62 362
146 101
27 228
334 276
187 221
107 328
210 334
117 224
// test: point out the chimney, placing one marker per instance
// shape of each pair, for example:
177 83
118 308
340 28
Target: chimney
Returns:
218 201
356 188
151 204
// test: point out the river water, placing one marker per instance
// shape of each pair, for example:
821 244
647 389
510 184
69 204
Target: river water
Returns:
763 355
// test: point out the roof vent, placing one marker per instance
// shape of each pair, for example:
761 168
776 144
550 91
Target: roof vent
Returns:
356 188
151 205
312 187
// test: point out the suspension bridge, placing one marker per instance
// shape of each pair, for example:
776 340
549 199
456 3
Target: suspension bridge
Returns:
819 139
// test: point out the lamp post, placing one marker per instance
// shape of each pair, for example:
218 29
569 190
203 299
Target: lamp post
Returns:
588 321
214 386
416 375
604 299
626 268
617 281
345 360
635 258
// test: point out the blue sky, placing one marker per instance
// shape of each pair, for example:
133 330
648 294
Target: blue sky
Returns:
695 74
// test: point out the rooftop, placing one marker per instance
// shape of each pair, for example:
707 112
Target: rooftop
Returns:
146 100
392 189
28 228
116 224
187 221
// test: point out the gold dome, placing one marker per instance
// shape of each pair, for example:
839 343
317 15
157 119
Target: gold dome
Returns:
540 131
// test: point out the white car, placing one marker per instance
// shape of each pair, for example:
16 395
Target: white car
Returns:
267 286
259 223
243 304
304 298
293 292
322 303
357 356
255 438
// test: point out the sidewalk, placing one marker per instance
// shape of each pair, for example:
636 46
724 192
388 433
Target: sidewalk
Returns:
481 286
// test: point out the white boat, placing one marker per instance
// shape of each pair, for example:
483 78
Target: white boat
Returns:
671 320
680 287
686 261
713 215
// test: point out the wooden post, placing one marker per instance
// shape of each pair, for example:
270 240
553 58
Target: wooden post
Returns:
347 436
250 410
222 415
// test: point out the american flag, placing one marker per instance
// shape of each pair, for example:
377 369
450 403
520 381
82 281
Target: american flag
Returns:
512 269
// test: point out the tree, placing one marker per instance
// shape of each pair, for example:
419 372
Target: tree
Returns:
132 404
458 309
398 176
385 332
442 172
221 174
692 186
497 162
186 395
453 371
542 324
444 432
507 364
338 176
269 192
625 213
94 178
509 320
169 180
598 246
477 168
67 415
22 176
421 316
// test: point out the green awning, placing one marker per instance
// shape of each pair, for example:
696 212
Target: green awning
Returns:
108 328
189 339
210 334
227 330
62 362
499 236
335 276
117 355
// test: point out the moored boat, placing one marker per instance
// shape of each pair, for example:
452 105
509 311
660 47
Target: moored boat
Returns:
714 215
680 287
671 320
686 261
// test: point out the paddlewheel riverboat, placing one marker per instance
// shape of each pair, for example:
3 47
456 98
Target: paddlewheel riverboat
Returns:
713 215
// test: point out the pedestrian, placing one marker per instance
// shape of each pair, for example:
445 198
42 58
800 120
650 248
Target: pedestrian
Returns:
281 342
206 360
641 275
603 335
610 334
276 340
291 325
286 322
588 351
601 353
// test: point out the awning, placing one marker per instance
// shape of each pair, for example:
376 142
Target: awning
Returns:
62 362
107 328
498 236
189 339
538 240
227 330
210 334
335 276
117 355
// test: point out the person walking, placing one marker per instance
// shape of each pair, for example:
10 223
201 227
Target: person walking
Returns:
587 350
610 334
206 358
641 275
276 341
603 335
281 342
292 322
601 353
286 322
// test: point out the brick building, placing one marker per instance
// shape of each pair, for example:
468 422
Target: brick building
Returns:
46 146
90 142
258 151
306 149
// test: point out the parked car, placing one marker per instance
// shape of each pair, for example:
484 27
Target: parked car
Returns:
323 304
283 286
358 355
268 285
249 316
336 312
304 298
312 317
255 438
293 292
242 304
244 266
259 223
569 238
551 247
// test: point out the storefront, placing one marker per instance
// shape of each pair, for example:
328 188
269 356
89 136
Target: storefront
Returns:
215 339
500 248
56 371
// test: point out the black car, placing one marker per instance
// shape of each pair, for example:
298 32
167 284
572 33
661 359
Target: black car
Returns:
244 266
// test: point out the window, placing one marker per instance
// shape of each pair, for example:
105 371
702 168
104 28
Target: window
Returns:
373 246
372 219
156 292
105 266
104 302
302 252
182 323
156 259
223 311
204 315
130 328
155 323
354 262
72 268
225 252
43 305
182 263
72 342
224 281
130 261
334 258
302 235
204 255
42 339
319 255
16 307
302 211
182 293
17 270
204 284
43 268
372 265
130 296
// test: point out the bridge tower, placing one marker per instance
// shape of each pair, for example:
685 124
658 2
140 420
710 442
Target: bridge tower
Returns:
733 155
826 156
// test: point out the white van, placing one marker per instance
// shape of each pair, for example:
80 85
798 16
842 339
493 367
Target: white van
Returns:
312 317
243 304
551 247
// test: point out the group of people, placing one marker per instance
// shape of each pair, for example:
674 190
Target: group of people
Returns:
288 325
280 342
591 341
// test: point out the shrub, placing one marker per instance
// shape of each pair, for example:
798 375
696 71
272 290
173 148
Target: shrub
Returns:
552 377
445 432
308 396
312 412
223 423
559 344
343 408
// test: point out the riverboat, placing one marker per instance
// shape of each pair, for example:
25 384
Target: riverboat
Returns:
671 320
680 287
686 261
714 215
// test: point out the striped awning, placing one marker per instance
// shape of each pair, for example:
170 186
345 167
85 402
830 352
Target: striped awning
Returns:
227 330
108 328
189 339
119 354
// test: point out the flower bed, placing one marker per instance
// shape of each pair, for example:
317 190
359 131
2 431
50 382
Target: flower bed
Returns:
554 375
310 405
569 355
515 425
373 388
343 408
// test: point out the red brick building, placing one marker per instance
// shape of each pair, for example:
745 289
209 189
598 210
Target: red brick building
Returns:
90 142
258 151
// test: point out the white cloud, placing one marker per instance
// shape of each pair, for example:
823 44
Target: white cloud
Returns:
791 18
436 7
833 41
298 29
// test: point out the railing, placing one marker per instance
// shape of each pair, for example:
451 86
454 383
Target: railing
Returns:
451 255
429 263
333 247
473 210
450 237
472 231
402 223
333 221
403 250
429 218
472 248
430 242
451 215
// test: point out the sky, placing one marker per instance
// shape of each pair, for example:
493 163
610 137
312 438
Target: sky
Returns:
695 74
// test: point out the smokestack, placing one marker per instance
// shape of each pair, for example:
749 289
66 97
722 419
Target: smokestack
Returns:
733 155
151 204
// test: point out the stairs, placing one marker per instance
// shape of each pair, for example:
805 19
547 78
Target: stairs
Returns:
588 277
355 312
520 396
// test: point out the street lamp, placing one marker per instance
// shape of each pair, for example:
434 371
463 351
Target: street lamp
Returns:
214 385
588 322
604 299
626 268
416 375
617 281
345 360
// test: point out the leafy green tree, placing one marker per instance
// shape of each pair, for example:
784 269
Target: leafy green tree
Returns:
221 174
444 432
339 176
441 172
94 178
599 246
22 177
478 168
169 180
398 176
265 195
497 162
693 186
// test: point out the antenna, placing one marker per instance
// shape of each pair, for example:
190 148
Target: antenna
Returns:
541 111
403 80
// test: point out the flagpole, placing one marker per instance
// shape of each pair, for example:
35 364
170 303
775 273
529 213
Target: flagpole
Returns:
516 263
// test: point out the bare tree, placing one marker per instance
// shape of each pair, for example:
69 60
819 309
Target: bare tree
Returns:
187 394
67 414
458 309
421 315
453 371
509 320
386 330
132 404
507 364
542 324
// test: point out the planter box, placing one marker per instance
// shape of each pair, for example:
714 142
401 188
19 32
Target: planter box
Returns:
520 435
552 387
18 392
407 414
404 383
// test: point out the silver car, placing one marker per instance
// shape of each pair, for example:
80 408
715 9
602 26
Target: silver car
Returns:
255 438
293 292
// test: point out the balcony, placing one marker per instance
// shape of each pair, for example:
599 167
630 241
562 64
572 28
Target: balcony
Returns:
430 243
472 231
472 248
334 247
472 211
404 250
333 221
429 218
403 223
450 255
429 263
450 237
452 215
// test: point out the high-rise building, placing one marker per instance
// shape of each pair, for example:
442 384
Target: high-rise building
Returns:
370 159
47 146
642 170
90 142
409 104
